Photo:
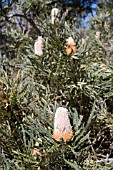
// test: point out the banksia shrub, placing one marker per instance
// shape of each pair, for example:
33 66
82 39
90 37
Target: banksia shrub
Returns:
40 85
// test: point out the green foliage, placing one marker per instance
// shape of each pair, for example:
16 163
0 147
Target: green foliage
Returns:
38 127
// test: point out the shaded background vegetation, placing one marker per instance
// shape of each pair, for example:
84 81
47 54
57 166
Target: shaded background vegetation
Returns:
33 87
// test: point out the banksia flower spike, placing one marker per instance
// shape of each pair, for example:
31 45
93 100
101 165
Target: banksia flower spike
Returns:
62 127
97 35
83 41
54 14
37 151
71 46
39 45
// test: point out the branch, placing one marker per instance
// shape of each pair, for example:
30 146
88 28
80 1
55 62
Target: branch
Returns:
29 20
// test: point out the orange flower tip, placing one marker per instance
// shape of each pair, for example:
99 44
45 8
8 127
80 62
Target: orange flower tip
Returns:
63 136
68 50
36 152
71 50
71 46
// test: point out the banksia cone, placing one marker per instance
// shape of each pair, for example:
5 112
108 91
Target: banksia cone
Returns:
83 41
54 14
97 35
36 150
39 44
71 46
62 127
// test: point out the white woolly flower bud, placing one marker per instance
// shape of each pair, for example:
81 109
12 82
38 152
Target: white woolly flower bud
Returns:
54 14
83 41
70 41
62 127
39 44
97 36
